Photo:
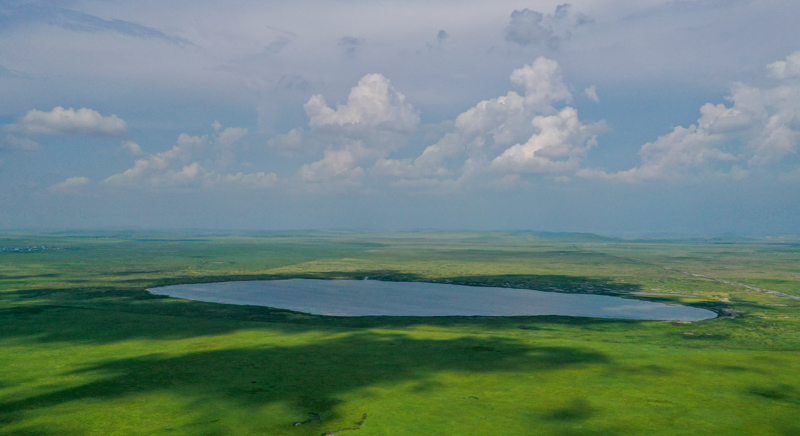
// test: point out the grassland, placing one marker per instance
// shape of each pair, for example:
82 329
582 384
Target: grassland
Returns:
85 350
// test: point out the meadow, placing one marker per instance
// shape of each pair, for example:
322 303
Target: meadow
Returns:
86 350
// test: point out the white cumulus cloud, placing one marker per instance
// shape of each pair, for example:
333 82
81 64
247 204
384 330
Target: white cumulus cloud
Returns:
786 69
83 121
259 180
591 93
294 143
542 83
759 130
133 148
375 121
168 168
224 142
559 145
373 103
671 156
70 186
340 164
514 133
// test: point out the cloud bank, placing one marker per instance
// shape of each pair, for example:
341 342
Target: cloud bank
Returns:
529 134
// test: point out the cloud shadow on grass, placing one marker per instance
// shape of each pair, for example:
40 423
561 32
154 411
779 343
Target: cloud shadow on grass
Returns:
311 378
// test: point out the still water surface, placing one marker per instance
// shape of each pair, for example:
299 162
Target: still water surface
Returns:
371 297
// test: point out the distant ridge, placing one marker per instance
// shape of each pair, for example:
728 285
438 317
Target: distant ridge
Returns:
572 236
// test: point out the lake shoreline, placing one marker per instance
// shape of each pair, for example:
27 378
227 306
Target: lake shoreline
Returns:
347 298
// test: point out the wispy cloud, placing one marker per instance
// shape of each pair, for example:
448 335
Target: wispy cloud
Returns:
350 44
15 13
180 167
15 143
13 74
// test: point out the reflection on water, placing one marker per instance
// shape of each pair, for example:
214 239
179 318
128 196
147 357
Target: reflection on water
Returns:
369 297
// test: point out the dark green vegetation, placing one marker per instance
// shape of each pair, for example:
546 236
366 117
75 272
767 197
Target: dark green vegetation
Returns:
86 350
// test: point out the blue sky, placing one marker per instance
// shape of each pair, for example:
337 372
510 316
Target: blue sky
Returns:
615 117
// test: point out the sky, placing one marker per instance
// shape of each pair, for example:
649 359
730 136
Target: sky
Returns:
618 117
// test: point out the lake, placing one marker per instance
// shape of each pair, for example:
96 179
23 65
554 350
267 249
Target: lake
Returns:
376 298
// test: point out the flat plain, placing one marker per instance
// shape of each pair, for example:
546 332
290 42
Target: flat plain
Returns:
86 350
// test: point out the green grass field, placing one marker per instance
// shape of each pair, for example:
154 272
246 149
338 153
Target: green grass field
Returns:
85 350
